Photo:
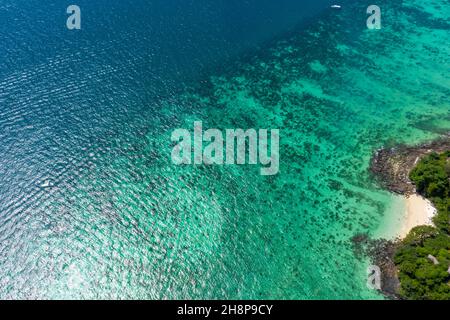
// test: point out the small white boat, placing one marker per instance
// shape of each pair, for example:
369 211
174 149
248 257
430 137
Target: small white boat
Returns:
336 6
46 184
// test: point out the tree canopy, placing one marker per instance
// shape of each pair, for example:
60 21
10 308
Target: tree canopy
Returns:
420 277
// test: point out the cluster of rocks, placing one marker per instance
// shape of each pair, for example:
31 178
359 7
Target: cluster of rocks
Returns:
392 166
381 252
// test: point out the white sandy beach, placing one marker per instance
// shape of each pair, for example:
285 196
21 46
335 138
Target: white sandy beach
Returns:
405 213
418 211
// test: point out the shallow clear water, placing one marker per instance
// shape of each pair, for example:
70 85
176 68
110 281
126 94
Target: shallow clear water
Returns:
121 221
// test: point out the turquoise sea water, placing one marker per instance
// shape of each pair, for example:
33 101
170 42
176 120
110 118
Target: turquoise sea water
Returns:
119 220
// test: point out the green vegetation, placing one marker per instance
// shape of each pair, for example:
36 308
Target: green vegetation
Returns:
431 177
420 277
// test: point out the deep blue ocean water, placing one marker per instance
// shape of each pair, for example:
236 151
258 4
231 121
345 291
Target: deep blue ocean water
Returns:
173 38
59 87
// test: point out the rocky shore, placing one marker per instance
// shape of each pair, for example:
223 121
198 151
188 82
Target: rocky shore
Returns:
391 167
381 252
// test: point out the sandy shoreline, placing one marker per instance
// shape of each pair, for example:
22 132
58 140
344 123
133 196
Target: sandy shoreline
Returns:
418 211
392 166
